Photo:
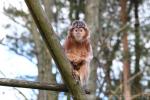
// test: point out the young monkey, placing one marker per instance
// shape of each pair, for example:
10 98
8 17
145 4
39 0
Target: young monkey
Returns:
79 51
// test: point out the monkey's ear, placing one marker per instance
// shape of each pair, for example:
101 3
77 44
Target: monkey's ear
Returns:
70 31
70 28
88 32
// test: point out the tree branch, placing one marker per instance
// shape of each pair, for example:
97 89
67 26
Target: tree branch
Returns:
140 94
55 48
33 85
128 82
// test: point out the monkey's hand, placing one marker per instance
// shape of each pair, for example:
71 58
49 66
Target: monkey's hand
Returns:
73 58
76 76
76 61
77 65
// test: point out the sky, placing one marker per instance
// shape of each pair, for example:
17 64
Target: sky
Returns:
14 66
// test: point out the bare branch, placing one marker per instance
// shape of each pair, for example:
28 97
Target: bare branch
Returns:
33 85
140 94
128 82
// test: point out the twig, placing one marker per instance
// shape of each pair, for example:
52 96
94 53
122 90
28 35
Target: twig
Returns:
131 79
140 94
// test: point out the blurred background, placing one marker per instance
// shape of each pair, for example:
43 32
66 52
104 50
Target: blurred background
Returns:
120 37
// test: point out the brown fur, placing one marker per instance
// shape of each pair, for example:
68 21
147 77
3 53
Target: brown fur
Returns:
79 54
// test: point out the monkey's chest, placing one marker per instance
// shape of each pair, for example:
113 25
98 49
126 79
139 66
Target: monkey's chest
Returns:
79 51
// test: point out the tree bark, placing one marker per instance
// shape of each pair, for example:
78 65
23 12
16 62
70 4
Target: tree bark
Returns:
33 85
55 48
44 64
136 84
92 19
126 58
44 58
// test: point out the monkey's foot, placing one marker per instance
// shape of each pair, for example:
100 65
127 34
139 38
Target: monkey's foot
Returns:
87 91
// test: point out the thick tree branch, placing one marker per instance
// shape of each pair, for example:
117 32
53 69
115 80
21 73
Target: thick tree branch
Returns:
55 48
33 85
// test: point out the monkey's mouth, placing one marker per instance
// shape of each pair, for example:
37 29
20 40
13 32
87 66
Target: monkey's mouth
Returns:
78 38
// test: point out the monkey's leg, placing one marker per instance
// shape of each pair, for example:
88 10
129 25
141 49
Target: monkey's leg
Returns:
84 73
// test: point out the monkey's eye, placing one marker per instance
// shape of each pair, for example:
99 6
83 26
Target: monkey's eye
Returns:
81 30
76 30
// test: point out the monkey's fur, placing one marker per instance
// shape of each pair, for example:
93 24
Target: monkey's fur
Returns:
79 51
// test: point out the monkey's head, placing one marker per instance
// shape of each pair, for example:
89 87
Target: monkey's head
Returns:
79 31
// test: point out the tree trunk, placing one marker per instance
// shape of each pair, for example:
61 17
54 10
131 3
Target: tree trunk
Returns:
44 64
126 58
136 83
44 59
92 19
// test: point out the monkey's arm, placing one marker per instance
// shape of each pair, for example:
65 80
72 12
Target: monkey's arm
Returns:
79 60
87 56
90 54
73 57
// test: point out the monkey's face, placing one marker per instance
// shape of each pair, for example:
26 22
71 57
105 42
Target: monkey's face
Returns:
79 34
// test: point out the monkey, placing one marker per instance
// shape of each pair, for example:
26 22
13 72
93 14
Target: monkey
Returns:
78 50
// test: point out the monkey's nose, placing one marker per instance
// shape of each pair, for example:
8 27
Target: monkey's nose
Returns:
78 33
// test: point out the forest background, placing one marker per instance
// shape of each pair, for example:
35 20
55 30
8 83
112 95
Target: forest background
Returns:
120 32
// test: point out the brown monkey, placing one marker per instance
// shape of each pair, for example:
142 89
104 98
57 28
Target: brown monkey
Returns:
78 50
